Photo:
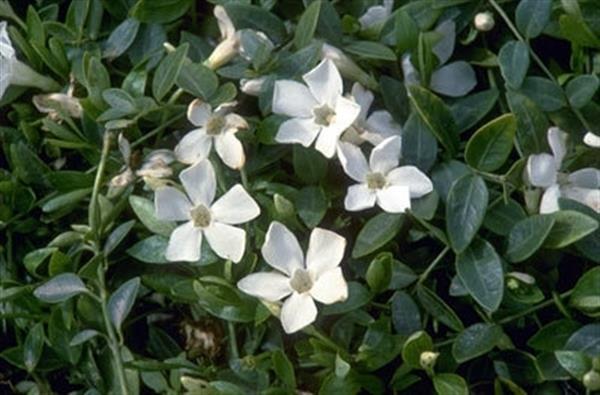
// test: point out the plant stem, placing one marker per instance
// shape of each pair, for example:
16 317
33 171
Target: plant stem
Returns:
232 340
244 177
94 214
433 264
113 343
157 130
533 309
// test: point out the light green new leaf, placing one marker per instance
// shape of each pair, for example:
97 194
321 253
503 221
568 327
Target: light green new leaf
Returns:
490 146
480 270
465 210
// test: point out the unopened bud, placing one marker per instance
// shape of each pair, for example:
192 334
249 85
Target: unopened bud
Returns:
253 86
484 21
591 380
428 359
347 67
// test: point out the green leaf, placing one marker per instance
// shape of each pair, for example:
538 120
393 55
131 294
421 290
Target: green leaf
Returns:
371 50
480 270
167 72
436 116
117 236
419 146
34 259
581 89
532 16
120 100
83 337
197 80
305 30
450 384
574 29
502 217
395 98
532 124
121 301
376 233
414 346
465 210
476 340
513 59
544 92
379 273
283 368
569 226
144 209
358 296
309 164
527 236
150 250
469 110
586 340
491 145
121 38
311 203
60 288
33 346
574 362
586 294
439 309
553 336
256 18
164 11
66 200
405 314
445 174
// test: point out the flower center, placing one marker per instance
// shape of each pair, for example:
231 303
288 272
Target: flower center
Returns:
201 216
324 115
301 281
375 180
215 125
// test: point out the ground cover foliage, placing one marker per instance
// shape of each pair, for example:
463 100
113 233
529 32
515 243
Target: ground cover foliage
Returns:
277 196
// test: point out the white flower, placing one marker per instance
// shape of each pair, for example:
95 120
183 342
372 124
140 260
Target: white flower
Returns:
543 171
346 66
230 40
376 16
318 277
318 111
373 128
219 126
252 86
381 181
14 72
592 140
203 217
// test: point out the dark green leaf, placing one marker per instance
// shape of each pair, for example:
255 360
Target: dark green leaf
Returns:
490 146
581 89
309 165
450 384
121 301
307 25
531 124
60 288
379 273
469 110
121 38
586 294
376 233
197 80
544 92
117 236
527 236
553 336
586 339
574 362
163 11
439 309
569 226
414 346
532 16
371 50
253 17
405 314
395 98
475 341
419 146
502 217
150 250
514 63
33 346
284 368
167 72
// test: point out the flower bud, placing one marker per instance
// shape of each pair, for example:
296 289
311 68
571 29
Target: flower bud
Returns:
484 21
252 86
592 140
428 359
591 380
346 66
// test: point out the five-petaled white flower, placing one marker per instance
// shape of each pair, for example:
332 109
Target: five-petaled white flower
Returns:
319 277
373 128
317 110
219 126
543 171
381 181
591 139
376 15
213 220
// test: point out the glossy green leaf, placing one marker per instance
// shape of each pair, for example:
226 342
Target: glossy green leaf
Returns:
569 226
284 368
480 270
163 11
121 38
544 92
469 110
553 336
307 25
122 300
379 273
574 362
414 346
532 124
476 340
144 209
197 80
465 210
439 309
376 233
253 17
167 72
60 288
405 314
490 146
581 89
514 63
33 346
450 384
586 340
586 294
527 236
532 16
370 50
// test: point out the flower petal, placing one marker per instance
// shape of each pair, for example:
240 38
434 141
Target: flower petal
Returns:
363 97
558 144
235 122
281 249
380 126
297 312
346 112
193 147
236 206
185 243
327 142
297 130
268 286
353 161
386 156
549 202
592 140
325 251
417 182
230 150
199 182
226 241
359 197
325 82
171 204
589 197
293 99
199 112
330 287
394 199
585 178
541 170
